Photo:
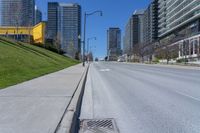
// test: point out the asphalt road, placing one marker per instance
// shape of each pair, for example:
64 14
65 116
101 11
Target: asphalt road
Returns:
144 98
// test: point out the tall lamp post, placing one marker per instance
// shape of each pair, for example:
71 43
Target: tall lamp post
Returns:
88 43
85 21
91 50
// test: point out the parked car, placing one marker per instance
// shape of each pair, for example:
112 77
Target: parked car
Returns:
121 59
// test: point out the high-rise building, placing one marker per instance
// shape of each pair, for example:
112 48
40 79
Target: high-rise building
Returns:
150 30
38 15
69 28
128 37
151 23
113 43
179 27
17 12
140 17
134 33
131 35
52 24
179 17
168 25
64 26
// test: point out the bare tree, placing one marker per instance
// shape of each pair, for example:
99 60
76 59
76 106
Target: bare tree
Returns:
185 50
162 51
15 10
169 48
71 48
135 52
29 31
139 51
167 53
146 50
57 42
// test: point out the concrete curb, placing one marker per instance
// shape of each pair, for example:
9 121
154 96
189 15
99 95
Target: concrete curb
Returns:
70 120
169 65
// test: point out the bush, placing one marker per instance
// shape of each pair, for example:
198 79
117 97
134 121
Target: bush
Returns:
156 60
181 60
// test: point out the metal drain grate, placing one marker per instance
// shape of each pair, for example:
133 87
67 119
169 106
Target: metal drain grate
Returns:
98 126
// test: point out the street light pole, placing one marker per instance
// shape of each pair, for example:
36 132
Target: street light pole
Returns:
88 43
85 21
92 50
85 15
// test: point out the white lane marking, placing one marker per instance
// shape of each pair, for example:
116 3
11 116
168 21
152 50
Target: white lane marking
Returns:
183 94
104 70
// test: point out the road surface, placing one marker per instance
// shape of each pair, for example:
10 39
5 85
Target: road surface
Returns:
144 98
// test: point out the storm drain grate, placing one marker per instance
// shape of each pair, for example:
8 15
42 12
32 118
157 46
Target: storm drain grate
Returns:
98 126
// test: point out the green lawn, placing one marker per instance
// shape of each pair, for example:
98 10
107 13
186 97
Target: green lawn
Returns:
20 62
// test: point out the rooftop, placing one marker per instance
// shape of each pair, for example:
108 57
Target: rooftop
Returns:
139 12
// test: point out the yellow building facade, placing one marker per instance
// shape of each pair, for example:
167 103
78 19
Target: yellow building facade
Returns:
36 32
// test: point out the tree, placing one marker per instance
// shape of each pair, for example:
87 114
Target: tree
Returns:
139 51
57 43
135 53
71 49
16 13
143 50
77 56
169 48
30 24
185 50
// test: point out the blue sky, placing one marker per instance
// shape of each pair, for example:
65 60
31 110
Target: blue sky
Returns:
115 14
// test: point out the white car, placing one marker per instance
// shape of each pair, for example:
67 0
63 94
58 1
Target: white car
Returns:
120 60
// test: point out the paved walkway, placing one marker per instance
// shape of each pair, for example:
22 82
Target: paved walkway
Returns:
36 106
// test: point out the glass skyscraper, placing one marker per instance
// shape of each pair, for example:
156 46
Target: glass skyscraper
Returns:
52 25
17 12
69 16
38 16
134 34
64 23
113 43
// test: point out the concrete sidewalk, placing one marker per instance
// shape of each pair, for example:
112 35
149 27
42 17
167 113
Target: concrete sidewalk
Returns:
37 106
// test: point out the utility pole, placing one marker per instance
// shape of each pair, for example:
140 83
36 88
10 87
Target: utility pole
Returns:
84 36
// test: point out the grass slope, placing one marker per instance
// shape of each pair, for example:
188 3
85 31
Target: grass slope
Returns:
20 62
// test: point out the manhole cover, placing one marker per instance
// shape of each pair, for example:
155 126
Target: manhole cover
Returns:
98 126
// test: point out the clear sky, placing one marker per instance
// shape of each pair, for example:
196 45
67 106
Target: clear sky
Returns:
115 14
